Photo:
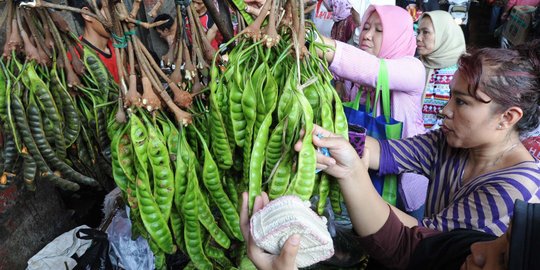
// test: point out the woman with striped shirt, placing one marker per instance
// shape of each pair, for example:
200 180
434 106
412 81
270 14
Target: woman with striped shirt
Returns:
476 163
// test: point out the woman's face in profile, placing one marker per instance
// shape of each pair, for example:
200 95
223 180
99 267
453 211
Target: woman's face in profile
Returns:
372 34
492 255
468 122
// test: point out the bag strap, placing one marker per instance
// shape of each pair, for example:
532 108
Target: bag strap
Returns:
355 104
97 255
383 89
368 100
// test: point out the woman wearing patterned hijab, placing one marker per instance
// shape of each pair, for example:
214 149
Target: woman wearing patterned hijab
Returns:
343 27
440 43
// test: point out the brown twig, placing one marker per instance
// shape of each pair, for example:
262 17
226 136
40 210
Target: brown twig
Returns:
302 31
207 50
271 37
295 16
145 24
4 17
180 115
181 98
29 49
195 39
149 99
60 63
132 98
117 29
176 75
49 41
44 53
76 62
241 23
131 95
135 8
286 21
163 76
15 41
297 49
189 69
72 79
106 19
59 21
121 12
155 9
120 116
254 30
7 47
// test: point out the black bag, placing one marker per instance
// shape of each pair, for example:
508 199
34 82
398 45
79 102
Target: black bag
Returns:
96 256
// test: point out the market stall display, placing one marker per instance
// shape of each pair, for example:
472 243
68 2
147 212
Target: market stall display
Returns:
180 146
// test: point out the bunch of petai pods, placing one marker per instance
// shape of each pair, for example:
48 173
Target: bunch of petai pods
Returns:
181 182
53 126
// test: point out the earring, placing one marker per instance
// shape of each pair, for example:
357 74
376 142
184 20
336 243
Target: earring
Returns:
499 126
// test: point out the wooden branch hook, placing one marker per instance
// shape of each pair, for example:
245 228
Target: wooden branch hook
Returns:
45 4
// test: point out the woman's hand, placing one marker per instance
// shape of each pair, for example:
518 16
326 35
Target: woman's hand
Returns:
343 161
265 261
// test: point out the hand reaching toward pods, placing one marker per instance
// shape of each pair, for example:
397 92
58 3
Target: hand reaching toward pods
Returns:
343 160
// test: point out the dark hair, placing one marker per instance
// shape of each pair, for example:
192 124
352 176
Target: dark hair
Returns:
510 77
80 4
164 17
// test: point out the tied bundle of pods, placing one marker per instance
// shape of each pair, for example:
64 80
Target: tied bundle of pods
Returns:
172 191
171 195
135 63
262 94
270 88
54 122
189 202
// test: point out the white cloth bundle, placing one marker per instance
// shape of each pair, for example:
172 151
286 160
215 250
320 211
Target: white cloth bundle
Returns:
288 215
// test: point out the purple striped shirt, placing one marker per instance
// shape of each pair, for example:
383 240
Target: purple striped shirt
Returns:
484 203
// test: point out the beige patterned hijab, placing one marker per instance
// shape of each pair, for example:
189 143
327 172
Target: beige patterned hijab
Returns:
449 41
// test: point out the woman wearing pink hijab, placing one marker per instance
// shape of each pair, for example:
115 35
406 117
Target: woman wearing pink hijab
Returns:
387 33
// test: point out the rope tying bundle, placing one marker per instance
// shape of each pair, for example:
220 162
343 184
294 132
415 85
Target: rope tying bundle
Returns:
122 41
